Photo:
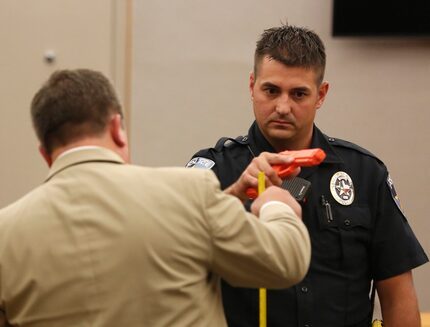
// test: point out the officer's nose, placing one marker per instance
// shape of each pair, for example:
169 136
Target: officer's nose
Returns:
283 106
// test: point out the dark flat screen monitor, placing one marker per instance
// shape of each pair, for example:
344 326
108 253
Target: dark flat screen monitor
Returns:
381 18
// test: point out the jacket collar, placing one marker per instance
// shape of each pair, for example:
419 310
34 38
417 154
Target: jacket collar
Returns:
96 154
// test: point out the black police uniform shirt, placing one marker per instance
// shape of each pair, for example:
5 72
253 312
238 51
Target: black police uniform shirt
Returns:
357 228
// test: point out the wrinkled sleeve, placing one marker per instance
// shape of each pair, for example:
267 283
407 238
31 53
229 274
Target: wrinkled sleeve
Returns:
272 251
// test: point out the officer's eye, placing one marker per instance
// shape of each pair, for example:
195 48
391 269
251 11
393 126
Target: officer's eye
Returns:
299 94
271 91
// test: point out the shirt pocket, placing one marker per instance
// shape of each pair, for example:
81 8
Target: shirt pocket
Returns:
345 233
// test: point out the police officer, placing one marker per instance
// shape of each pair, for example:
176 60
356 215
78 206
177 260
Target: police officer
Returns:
357 227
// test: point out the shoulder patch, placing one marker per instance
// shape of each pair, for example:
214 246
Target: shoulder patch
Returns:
200 162
393 191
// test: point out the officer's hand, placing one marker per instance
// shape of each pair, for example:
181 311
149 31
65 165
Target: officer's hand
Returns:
274 193
249 177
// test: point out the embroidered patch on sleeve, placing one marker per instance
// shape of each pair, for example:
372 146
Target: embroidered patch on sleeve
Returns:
396 198
199 162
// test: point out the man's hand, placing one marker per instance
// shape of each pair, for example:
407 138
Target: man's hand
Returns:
249 177
274 193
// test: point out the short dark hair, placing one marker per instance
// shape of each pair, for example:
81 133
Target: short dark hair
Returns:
72 104
293 46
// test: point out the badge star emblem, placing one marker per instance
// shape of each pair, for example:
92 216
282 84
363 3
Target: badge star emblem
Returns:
342 188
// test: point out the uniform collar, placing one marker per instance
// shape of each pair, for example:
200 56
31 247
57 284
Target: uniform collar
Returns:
257 141
320 140
85 154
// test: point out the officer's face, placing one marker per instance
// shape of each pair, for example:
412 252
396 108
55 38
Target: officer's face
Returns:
285 101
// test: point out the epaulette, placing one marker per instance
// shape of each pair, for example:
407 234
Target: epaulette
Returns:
349 145
228 141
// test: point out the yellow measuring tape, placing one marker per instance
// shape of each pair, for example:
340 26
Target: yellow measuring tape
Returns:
377 323
262 291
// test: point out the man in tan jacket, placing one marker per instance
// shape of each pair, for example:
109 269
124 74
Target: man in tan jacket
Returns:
105 243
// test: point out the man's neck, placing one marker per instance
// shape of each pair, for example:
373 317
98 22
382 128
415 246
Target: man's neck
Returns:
100 141
297 143
77 148
85 142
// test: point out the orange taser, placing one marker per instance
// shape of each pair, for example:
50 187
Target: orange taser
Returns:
302 158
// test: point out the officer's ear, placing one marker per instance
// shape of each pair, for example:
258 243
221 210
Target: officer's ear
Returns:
251 84
322 92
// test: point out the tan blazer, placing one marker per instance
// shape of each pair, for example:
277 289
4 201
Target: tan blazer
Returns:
102 243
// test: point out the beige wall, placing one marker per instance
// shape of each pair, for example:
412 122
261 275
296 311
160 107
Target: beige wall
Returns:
191 65
84 34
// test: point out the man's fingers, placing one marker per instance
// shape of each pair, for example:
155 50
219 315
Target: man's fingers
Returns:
276 158
264 163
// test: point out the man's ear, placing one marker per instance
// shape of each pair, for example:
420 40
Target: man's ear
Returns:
322 92
251 84
45 155
117 131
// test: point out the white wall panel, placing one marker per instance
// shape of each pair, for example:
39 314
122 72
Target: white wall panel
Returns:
82 34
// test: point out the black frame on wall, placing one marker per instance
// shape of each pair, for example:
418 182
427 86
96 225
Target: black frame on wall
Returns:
381 18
